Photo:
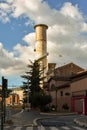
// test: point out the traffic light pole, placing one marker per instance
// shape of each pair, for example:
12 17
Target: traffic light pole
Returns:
2 112
3 105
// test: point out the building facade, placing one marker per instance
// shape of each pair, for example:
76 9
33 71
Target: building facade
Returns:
79 93
69 91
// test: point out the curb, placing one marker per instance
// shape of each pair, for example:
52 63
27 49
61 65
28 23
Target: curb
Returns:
80 123
59 114
53 114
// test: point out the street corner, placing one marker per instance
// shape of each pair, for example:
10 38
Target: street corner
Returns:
81 122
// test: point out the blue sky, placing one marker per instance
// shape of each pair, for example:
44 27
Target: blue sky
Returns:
66 34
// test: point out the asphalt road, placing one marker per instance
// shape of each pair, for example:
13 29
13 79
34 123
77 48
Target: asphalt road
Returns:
60 123
46 122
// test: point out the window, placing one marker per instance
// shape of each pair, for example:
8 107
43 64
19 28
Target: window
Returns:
61 93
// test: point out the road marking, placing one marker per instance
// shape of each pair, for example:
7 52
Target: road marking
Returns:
53 128
29 128
42 128
78 128
39 128
65 128
17 128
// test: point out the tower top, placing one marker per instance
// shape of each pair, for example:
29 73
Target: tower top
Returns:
40 25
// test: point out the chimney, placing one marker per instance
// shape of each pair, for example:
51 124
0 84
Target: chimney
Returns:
41 46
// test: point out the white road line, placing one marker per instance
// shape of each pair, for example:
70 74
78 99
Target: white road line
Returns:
65 128
53 128
29 128
41 128
78 128
17 128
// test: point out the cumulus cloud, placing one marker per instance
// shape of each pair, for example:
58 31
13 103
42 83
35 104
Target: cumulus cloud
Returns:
25 53
30 39
5 11
9 64
65 35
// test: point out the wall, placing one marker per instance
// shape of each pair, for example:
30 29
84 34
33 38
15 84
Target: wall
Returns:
79 85
60 96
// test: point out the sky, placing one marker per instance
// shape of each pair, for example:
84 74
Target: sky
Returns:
66 34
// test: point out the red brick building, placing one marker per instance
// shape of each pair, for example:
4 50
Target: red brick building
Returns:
13 99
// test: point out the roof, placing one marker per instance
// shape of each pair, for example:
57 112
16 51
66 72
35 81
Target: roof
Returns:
68 70
67 80
79 76
59 78
70 65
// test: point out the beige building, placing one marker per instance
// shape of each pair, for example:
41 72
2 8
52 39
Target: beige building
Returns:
79 93
18 91
68 89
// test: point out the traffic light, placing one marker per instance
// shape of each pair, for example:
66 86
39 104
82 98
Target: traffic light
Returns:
4 84
4 87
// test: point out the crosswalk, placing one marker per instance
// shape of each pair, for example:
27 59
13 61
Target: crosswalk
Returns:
44 128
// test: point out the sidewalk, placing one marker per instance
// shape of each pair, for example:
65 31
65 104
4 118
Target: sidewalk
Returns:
82 121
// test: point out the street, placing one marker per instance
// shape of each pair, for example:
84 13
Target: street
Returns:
24 121
44 128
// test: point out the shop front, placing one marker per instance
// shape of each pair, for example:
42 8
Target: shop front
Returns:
79 103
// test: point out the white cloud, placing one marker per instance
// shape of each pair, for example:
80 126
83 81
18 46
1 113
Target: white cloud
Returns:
25 53
5 11
65 35
71 11
9 63
30 39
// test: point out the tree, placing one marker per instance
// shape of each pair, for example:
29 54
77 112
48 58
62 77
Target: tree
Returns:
40 100
32 80
35 78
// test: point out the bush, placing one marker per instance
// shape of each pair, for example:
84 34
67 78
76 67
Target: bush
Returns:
53 108
65 106
40 100
45 109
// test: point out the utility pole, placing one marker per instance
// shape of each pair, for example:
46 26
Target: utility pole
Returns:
3 103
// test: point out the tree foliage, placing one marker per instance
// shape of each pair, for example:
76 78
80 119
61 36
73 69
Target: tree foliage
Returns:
40 100
32 79
32 82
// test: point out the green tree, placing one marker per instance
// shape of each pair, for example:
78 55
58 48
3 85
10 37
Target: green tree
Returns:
35 78
40 100
32 80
